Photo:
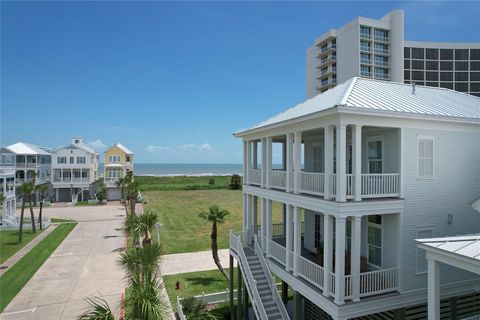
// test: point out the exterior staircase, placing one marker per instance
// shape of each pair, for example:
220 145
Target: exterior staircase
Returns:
260 284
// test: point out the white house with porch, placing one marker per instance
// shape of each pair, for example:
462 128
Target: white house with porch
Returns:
367 167
74 169
31 159
7 188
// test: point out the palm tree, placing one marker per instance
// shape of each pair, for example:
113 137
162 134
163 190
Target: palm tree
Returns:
215 216
140 263
25 192
149 218
31 199
98 309
131 190
196 309
42 189
120 183
135 228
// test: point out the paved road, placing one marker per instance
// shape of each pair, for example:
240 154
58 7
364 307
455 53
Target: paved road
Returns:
191 262
84 265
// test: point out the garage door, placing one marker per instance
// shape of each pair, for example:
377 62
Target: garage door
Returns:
64 195
114 194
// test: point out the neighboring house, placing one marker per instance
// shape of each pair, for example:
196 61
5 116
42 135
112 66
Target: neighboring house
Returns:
118 160
74 169
366 168
7 187
31 159
376 48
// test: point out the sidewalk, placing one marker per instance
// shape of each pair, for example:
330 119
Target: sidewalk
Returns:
4 267
191 262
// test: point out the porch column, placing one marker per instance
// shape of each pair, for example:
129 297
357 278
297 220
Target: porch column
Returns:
264 225
357 161
297 161
250 215
297 238
328 151
264 162
268 162
327 251
255 215
355 257
245 215
81 176
255 154
402 162
339 260
341 163
289 166
433 289
269 226
288 237
247 161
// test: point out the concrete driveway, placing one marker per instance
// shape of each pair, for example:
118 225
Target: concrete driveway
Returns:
84 265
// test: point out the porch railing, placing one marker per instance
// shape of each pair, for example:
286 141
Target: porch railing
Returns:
277 252
277 179
378 281
333 184
310 271
255 176
312 182
378 185
350 186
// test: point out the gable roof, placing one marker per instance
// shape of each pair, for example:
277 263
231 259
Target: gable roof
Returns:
80 146
462 246
364 94
121 147
28 149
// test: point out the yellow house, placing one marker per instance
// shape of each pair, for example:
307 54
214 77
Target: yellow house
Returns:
118 160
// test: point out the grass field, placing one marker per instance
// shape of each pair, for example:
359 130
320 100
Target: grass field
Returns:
9 242
12 281
182 183
183 230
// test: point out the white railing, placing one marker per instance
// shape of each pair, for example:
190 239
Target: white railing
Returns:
377 185
312 183
331 278
277 252
255 176
270 280
278 179
310 271
290 260
379 281
350 186
333 184
181 315
250 282
348 287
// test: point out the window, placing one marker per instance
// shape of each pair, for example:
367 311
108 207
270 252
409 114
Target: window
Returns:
425 157
446 76
72 160
461 54
417 75
381 35
81 160
462 65
375 154
474 65
433 76
317 161
365 71
381 73
406 75
62 160
417 64
365 46
406 52
421 253
446 65
114 159
381 48
84 174
461 76
365 32
474 54
375 240
461 86
432 84
474 76
417 53
446 54
365 58
447 85
475 87
432 65
432 54
406 64
381 60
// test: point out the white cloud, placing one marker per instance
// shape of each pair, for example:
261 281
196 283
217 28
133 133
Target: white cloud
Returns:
189 147
96 144
152 148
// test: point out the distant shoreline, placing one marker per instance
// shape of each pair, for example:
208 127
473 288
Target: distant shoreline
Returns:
186 174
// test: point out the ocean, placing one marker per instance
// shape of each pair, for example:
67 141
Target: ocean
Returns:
184 169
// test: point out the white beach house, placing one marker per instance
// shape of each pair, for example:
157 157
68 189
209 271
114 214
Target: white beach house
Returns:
74 169
7 187
356 174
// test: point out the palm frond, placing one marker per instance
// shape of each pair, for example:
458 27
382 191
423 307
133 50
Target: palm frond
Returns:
98 309
144 301
196 309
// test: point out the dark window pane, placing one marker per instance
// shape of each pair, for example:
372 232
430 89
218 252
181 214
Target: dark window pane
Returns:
406 75
461 54
446 54
432 84
417 53
446 65
475 87
474 54
476 94
461 65
406 64
463 87
432 76
417 64
419 83
407 82
406 52
417 75
432 65
446 76
432 54
461 76
474 76
448 85
474 65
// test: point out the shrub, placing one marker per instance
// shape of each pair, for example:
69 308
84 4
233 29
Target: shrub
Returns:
211 181
235 182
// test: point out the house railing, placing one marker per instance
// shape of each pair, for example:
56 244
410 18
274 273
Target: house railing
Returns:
377 185
310 271
277 252
333 184
255 176
350 186
378 281
278 179
312 183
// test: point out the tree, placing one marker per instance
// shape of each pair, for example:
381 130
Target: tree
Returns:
149 218
141 226
134 227
42 189
25 192
120 183
131 190
195 309
215 216
235 182
102 191
98 309
31 198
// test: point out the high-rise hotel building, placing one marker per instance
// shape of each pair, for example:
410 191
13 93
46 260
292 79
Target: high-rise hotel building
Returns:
377 49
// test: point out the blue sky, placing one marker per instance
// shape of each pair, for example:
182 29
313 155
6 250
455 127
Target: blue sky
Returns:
173 80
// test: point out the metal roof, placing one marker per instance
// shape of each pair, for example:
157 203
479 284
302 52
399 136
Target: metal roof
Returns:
377 95
121 147
80 146
28 149
464 246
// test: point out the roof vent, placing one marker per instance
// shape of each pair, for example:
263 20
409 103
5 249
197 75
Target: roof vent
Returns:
77 140
413 87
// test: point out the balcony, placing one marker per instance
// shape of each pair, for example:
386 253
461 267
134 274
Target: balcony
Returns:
382 76
26 165
366 48
381 50
381 38
365 61
381 63
365 36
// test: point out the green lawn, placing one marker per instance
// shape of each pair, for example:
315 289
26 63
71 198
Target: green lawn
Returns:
182 183
9 242
196 283
61 220
183 230
12 281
